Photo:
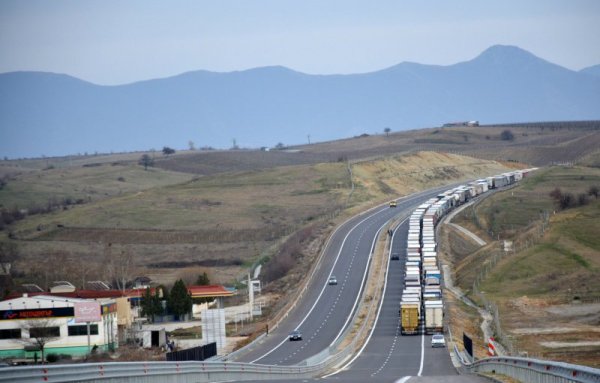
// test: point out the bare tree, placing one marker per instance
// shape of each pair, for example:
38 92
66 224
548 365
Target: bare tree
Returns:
40 332
119 266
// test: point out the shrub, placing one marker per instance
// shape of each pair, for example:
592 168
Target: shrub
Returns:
566 201
507 135
582 199
593 190
52 358
556 194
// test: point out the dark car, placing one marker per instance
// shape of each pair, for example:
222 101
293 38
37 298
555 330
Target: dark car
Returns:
395 257
295 335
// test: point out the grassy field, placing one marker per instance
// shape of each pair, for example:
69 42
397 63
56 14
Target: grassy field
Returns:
30 188
548 291
175 226
226 221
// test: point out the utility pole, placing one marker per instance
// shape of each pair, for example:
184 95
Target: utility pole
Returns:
250 295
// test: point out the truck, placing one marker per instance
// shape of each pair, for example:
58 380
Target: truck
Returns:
434 317
409 318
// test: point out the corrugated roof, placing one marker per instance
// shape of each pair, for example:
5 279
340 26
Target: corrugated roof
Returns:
209 291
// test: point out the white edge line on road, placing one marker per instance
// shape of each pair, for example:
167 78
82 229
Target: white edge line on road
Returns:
324 286
403 380
422 353
378 310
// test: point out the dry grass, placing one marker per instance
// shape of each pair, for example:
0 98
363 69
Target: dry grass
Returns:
538 288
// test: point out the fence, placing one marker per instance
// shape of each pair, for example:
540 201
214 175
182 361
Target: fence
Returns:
199 353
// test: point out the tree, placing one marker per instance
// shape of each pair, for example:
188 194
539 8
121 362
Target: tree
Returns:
180 301
203 279
119 267
593 190
556 194
582 199
279 145
166 150
387 131
146 161
566 201
507 135
40 332
151 304
191 145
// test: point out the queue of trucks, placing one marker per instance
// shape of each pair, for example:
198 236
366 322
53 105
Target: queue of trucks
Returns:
422 305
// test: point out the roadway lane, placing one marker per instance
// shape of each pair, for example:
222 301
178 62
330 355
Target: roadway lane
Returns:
390 356
324 310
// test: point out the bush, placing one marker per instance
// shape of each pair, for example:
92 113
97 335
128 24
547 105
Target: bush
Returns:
566 201
52 358
593 190
507 135
582 199
556 194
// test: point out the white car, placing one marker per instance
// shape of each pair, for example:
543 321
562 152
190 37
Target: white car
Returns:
332 280
438 341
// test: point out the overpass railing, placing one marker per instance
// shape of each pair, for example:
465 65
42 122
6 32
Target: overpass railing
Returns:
535 370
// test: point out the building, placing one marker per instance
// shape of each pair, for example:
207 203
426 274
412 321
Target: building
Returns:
61 321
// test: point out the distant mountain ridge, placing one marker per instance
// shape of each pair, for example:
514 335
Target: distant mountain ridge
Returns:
54 114
593 70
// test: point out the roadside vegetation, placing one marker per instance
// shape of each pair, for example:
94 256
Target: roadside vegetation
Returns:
540 268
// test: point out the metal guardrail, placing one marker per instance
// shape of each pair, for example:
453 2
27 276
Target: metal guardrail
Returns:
150 372
536 370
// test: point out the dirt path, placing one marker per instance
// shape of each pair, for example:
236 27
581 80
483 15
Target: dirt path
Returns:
470 234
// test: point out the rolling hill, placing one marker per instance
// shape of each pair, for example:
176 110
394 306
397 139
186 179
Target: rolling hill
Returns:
54 114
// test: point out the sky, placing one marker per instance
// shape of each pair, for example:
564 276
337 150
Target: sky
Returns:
111 42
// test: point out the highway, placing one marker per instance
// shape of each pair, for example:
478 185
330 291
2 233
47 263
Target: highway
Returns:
324 311
389 356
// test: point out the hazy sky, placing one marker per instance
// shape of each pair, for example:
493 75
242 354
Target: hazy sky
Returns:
115 41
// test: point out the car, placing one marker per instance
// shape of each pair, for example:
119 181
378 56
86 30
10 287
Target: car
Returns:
393 204
437 340
395 257
295 335
332 280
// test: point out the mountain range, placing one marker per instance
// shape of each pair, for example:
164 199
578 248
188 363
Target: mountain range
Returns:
56 114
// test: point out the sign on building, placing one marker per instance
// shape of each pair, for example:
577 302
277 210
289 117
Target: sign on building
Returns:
87 312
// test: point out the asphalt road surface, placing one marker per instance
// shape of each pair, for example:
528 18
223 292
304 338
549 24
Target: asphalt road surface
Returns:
324 311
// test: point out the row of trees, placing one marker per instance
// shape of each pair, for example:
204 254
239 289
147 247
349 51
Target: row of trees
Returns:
178 300
566 200
145 160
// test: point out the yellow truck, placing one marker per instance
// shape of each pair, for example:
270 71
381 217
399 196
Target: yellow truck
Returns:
410 314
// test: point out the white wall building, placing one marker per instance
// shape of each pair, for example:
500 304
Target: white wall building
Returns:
55 317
